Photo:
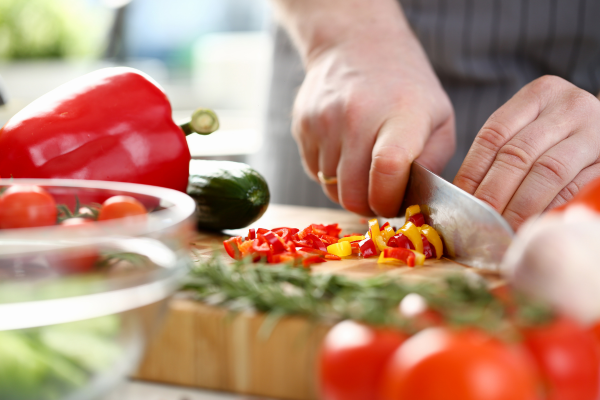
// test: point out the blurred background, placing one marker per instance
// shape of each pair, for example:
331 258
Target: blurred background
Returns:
209 53
228 55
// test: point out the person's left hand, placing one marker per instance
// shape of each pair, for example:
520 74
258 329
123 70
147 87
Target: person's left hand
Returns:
536 151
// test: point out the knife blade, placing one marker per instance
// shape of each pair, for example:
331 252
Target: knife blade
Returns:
473 232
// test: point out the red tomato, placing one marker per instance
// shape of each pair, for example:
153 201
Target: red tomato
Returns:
588 196
567 357
121 207
74 260
595 331
26 206
441 364
352 359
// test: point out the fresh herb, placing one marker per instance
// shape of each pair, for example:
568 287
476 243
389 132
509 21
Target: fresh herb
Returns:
282 290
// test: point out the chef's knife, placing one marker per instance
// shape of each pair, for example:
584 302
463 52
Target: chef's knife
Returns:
474 234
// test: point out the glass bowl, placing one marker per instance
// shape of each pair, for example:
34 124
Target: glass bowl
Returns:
78 303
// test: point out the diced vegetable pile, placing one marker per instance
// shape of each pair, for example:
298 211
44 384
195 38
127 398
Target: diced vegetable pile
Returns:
414 242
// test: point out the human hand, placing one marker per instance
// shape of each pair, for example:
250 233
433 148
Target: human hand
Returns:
368 107
536 151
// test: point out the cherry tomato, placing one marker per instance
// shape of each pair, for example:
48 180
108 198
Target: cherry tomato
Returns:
352 359
440 364
567 357
74 260
121 207
26 206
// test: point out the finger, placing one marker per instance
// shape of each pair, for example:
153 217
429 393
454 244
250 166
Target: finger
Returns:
399 141
521 110
568 192
329 156
515 159
307 147
353 171
552 172
439 148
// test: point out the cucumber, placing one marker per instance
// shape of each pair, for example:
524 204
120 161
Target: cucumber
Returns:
228 195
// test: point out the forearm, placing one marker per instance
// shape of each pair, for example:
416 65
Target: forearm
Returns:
317 25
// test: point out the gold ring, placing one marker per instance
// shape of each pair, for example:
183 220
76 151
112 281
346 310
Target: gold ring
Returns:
327 180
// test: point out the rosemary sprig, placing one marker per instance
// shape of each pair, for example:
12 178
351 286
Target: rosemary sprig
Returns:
284 290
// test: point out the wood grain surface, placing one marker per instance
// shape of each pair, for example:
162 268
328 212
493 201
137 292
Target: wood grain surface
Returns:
208 347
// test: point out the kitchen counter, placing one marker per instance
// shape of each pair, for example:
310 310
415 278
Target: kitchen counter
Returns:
136 390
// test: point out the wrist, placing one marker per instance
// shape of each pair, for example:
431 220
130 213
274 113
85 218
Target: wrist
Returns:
318 26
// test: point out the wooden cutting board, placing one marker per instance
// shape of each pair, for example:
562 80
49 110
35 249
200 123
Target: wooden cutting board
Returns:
208 347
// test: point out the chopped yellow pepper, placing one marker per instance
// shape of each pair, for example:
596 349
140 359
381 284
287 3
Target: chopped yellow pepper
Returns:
389 260
412 210
387 233
419 257
434 239
341 249
351 238
376 234
413 234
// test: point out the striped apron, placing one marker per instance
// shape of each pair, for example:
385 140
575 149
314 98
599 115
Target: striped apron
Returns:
483 51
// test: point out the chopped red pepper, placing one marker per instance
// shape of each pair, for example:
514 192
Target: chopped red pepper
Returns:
316 242
328 239
251 234
232 247
283 233
401 254
355 247
400 240
283 257
292 231
262 249
302 243
306 262
367 248
418 219
262 231
275 241
428 249
387 223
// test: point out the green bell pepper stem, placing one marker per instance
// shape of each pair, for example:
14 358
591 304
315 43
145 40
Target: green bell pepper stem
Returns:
204 122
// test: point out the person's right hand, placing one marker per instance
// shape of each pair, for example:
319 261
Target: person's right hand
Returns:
369 106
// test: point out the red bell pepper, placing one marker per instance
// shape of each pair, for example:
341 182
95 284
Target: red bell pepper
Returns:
418 219
308 261
277 245
367 248
401 254
262 249
316 242
400 240
113 124
328 256
428 249
232 247
251 234
292 231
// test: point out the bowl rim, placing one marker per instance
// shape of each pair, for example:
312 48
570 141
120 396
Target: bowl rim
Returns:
183 208
44 312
